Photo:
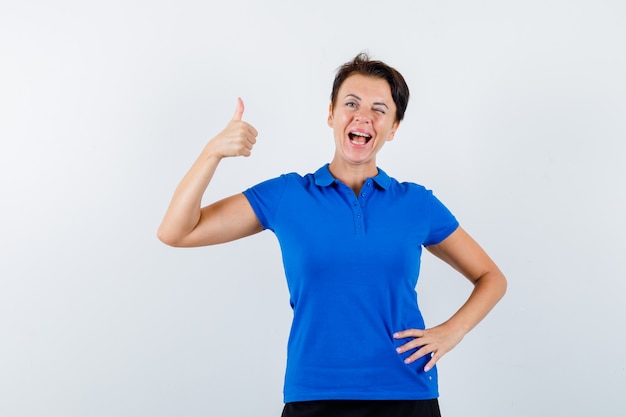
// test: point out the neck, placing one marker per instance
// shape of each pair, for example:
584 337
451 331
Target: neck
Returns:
353 176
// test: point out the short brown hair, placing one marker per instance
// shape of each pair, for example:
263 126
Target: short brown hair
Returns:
362 64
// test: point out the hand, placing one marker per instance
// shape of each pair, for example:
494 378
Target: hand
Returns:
236 139
436 341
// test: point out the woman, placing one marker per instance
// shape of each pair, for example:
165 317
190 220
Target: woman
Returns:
351 239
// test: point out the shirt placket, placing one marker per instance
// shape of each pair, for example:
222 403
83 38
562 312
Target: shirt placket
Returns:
357 203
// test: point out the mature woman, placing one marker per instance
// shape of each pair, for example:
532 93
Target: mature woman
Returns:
351 238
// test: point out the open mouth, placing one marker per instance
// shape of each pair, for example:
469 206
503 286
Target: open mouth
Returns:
359 138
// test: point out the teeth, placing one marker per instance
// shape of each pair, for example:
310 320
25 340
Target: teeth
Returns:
365 135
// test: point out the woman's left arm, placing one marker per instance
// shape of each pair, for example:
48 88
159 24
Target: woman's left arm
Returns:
461 252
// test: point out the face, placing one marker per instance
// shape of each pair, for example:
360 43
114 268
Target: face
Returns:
363 118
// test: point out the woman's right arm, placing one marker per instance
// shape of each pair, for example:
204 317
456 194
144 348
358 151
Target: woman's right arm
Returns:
186 223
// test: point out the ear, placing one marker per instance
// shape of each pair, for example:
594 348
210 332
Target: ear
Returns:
330 115
395 127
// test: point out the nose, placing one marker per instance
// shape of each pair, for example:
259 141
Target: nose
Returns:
362 118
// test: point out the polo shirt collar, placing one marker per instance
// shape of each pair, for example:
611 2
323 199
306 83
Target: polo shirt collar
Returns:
324 178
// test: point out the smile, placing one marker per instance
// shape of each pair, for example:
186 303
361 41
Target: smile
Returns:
359 138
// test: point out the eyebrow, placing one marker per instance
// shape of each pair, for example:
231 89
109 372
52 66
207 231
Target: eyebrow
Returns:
379 103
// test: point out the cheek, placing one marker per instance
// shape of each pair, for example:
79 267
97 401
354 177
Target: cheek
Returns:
339 121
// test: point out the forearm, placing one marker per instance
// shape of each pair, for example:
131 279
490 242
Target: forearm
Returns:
183 213
488 290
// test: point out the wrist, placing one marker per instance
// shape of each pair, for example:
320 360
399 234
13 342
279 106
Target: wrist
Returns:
210 153
457 327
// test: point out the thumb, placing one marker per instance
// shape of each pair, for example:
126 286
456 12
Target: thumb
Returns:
239 110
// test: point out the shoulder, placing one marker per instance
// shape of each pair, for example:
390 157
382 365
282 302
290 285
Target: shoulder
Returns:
409 187
280 184
412 193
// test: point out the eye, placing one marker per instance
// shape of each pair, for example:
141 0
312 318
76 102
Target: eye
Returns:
351 104
380 110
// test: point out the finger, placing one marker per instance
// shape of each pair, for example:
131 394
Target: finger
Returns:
253 132
408 333
413 344
421 352
430 364
239 110
249 133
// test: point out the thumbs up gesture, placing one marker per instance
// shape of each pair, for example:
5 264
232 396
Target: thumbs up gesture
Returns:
237 139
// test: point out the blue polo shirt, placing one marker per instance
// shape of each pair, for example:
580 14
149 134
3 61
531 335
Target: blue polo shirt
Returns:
352 263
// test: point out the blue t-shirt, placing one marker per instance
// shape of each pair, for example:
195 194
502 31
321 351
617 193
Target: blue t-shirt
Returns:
352 264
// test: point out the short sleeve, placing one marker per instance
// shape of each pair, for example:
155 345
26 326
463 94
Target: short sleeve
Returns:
442 221
265 198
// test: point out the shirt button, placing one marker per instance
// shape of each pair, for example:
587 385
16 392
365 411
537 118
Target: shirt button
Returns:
369 184
363 195
358 215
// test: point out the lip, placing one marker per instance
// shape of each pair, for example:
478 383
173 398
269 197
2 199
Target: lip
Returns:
359 133
360 130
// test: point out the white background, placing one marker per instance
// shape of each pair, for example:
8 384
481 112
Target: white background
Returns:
517 121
